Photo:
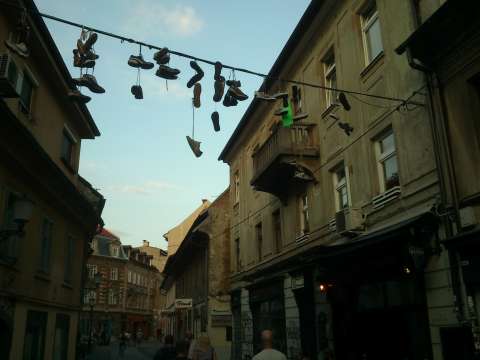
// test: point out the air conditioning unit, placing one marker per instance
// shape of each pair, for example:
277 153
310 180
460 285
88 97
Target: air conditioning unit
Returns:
349 220
8 77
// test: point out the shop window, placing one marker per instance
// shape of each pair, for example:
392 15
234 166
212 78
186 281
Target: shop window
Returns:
259 238
387 161
371 33
330 74
60 346
34 339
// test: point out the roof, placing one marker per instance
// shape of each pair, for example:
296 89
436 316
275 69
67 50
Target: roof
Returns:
52 47
103 247
108 234
301 28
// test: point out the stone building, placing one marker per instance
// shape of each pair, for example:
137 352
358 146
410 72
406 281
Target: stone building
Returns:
41 134
199 274
337 219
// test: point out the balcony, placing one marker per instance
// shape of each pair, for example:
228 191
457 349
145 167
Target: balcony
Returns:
285 160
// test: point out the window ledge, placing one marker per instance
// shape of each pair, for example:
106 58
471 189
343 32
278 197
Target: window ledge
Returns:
67 285
329 110
68 165
375 63
302 238
40 275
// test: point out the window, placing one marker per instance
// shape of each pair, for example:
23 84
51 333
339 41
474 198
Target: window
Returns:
277 231
371 32
60 346
341 188
46 239
237 187
92 270
259 237
68 143
303 211
237 254
115 250
387 162
129 276
114 274
90 294
330 78
112 297
69 259
9 247
297 99
34 339
26 92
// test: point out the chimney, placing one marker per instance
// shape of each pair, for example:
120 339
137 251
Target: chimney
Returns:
204 201
146 243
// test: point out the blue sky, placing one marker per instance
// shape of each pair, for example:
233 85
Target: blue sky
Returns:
142 163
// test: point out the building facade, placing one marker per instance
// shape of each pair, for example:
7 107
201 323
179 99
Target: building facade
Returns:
337 220
197 279
41 135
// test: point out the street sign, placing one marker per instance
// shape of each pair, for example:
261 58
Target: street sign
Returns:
183 303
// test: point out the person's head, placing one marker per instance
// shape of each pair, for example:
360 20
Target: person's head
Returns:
181 348
267 339
203 342
168 340
188 335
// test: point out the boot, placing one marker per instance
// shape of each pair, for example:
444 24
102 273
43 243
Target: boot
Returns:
167 72
234 83
197 91
82 61
197 77
161 55
237 94
195 146
92 39
76 95
218 70
137 91
342 98
216 121
137 61
90 82
219 89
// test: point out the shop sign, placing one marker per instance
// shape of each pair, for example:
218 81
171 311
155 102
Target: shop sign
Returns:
221 320
183 303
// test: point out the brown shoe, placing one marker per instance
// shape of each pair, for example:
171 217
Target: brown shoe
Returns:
197 91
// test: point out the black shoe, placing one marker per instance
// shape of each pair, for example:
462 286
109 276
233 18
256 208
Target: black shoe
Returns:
342 98
216 121
197 91
197 77
161 55
137 91
235 83
90 82
195 146
137 61
237 94
300 116
218 70
167 72
264 96
219 89
227 100
82 61
76 95
345 127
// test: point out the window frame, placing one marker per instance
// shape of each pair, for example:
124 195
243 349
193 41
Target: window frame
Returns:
236 182
383 156
69 258
68 135
303 212
330 71
26 77
114 273
367 18
92 270
46 246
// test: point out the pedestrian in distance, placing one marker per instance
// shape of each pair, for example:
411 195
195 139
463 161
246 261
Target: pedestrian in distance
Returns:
203 349
167 351
268 352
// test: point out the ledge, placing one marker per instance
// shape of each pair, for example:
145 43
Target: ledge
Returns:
373 65
67 286
329 110
68 166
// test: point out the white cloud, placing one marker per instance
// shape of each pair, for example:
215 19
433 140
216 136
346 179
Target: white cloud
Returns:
148 18
147 188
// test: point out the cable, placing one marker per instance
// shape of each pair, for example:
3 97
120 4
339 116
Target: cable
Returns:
210 62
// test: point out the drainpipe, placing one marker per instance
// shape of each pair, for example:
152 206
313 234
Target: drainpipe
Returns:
442 141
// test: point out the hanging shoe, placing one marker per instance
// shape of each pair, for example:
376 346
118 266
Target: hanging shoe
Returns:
197 77
92 39
281 95
345 127
282 111
197 91
216 121
218 70
227 100
195 146
237 94
82 61
20 48
234 83
167 72
90 82
219 86
137 61
162 56
137 91
90 55
300 116
264 96
76 95
342 98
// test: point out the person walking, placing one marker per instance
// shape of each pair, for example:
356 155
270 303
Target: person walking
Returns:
203 349
167 351
268 352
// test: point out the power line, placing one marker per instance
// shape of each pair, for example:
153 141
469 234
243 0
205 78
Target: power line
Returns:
206 61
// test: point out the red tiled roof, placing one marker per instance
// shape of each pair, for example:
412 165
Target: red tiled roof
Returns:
104 232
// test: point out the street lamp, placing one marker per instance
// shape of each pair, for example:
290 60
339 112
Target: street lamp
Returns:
22 212
97 278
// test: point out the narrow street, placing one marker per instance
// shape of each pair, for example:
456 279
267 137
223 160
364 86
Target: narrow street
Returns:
143 352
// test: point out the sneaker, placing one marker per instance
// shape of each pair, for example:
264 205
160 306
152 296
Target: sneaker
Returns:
197 77
342 98
137 61
76 95
227 100
345 127
90 82
234 83
137 91
20 48
164 60
160 55
197 91
264 96
195 146
82 61
167 72
219 86
218 70
237 94
216 121
90 55
300 116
